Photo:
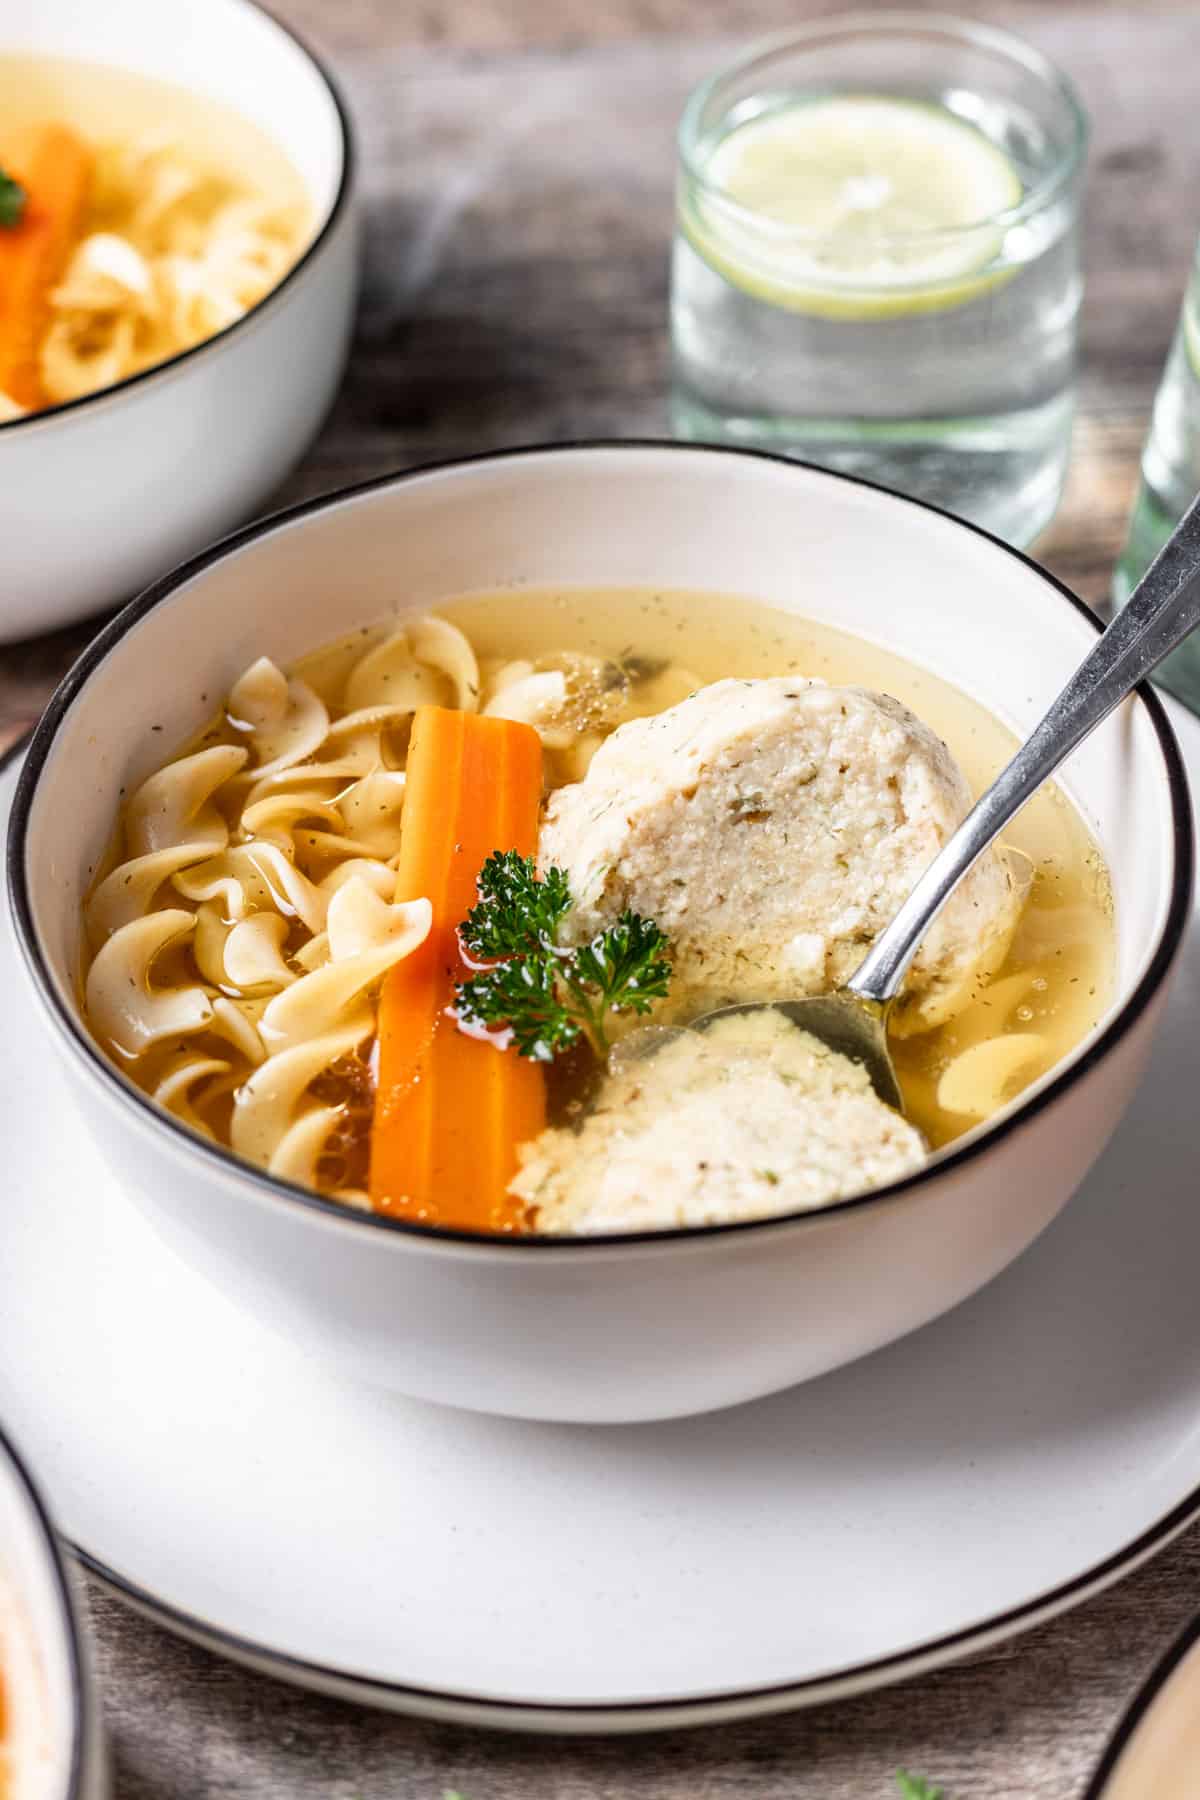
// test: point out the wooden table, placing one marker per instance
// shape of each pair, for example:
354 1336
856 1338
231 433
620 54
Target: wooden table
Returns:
517 169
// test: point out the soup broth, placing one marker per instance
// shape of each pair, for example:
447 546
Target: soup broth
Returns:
163 216
110 104
619 654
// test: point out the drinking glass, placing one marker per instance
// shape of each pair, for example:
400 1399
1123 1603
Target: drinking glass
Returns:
1170 479
937 361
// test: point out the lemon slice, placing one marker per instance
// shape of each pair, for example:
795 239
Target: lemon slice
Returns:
854 207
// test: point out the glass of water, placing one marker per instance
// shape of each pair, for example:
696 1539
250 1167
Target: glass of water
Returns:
876 261
1170 479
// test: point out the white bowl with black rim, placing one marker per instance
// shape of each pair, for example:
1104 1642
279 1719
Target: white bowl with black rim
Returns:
50 1735
627 1326
1154 1754
100 495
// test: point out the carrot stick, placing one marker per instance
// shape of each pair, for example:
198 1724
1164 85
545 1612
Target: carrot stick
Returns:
451 1109
55 169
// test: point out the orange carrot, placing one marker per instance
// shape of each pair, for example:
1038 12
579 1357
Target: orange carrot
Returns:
450 1108
55 169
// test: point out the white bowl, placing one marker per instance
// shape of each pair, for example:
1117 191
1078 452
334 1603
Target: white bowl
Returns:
1154 1754
54 1721
629 1327
99 496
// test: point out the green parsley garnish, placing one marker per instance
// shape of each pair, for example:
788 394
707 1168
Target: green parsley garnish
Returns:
546 994
12 201
913 1788
517 915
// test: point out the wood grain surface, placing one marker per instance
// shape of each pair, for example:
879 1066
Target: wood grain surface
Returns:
517 170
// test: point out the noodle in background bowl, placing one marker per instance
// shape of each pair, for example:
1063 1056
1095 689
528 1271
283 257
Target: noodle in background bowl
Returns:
53 1739
625 1327
100 495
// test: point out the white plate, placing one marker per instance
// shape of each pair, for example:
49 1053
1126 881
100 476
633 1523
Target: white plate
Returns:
983 1474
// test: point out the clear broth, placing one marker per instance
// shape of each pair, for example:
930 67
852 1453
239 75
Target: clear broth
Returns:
108 104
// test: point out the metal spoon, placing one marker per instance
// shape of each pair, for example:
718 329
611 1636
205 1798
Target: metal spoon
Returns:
1160 613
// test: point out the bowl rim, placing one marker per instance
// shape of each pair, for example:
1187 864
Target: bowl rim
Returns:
54 1567
49 417
1148 1692
222 1162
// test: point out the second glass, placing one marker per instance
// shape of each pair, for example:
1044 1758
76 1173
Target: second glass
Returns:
823 306
1170 480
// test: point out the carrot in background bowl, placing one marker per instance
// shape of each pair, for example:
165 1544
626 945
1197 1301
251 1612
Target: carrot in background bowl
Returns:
54 168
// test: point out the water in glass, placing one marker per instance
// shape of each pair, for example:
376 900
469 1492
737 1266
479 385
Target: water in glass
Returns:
941 362
1170 479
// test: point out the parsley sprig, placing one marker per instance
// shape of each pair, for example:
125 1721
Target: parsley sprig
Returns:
12 201
517 914
547 994
913 1788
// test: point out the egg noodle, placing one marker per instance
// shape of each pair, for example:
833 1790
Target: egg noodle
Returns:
173 252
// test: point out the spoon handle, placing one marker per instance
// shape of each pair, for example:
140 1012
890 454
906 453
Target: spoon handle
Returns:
1159 614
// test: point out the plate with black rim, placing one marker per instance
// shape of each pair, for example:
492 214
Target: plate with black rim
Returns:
987 1472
